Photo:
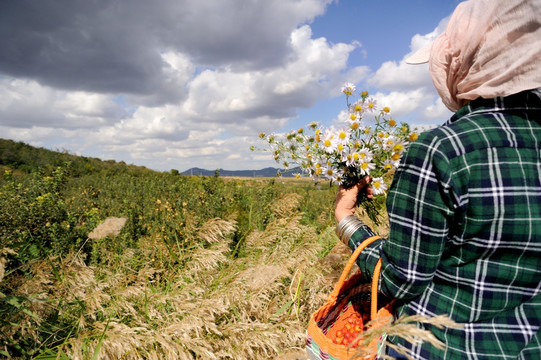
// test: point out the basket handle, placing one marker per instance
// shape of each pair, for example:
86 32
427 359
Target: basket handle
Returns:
375 277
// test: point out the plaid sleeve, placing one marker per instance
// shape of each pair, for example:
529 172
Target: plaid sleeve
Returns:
419 204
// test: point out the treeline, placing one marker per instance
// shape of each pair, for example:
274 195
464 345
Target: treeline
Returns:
26 158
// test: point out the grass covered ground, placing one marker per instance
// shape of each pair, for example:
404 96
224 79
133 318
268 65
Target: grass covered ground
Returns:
203 268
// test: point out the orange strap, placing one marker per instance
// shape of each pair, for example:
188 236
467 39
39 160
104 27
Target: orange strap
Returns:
375 277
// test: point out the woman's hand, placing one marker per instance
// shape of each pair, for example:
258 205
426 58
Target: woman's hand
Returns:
347 198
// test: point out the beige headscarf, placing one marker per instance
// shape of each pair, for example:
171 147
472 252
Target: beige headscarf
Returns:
490 48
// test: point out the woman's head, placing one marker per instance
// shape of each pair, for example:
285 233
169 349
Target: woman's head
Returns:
490 48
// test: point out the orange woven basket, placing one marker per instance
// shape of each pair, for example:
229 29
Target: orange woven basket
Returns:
350 296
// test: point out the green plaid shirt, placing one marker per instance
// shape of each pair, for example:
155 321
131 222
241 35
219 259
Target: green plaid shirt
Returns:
465 231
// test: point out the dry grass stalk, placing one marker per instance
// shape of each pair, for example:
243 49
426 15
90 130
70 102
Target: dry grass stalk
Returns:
110 227
176 312
205 260
216 230
3 260
407 327
286 206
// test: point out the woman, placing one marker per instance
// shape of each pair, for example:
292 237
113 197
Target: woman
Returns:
465 204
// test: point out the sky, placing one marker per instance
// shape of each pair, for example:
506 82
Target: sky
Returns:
176 84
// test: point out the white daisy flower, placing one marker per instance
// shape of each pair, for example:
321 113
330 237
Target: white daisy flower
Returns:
330 140
388 165
371 105
358 107
335 175
378 185
352 157
366 167
365 154
388 142
400 145
343 135
348 89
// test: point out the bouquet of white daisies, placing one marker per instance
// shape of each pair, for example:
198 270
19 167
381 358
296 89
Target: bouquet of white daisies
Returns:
367 142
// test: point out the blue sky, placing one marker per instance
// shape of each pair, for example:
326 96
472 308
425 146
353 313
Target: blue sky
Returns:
384 28
181 84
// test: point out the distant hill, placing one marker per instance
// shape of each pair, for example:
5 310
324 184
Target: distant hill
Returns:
266 172
27 158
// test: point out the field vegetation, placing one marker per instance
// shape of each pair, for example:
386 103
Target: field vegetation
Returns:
203 267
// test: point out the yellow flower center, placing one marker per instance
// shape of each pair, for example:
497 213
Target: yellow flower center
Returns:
392 122
319 171
376 184
364 166
340 147
413 137
358 108
342 135
327 143
395 156
329 172
353 117
371 106
356 156
364 93
387 110
398 147
355 126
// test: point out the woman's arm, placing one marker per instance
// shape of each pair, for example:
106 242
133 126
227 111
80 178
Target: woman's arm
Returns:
419 214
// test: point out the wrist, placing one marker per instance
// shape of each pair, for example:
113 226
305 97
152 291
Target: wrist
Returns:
342 214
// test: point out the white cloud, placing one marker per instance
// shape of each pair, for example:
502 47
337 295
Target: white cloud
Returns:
398 75
401 76
408 88
178 84
26 103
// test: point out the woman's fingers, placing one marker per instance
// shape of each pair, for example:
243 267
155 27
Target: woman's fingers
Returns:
346 199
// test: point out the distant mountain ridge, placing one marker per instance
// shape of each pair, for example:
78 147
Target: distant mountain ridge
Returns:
27 158
266 172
